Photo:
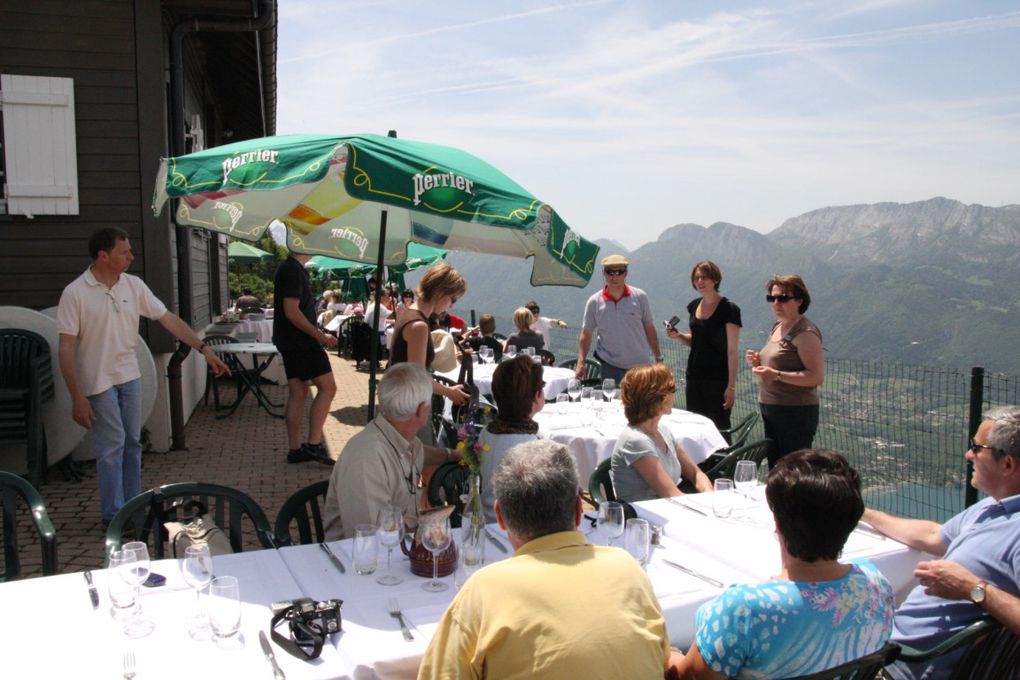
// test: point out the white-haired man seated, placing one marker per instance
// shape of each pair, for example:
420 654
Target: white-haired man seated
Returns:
560 607
381 465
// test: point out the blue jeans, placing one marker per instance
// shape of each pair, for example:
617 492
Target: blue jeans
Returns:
116 434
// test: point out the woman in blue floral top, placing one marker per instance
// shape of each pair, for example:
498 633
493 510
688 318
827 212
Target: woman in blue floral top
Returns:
818 612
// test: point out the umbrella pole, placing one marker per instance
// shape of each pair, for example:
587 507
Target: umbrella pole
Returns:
373 352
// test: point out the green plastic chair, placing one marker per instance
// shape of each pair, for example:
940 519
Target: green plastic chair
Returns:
303 511
993 652
738 434
756 451
592 371
145 514
548 358
26 383
600 484
863 668
12 490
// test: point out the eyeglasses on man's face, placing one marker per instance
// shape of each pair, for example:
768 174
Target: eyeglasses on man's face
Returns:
975 448
783 297
615 272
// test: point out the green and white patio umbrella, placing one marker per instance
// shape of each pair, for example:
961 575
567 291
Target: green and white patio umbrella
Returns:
239 252
330 192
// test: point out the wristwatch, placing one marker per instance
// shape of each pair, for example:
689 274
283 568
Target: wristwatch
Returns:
977 593
659 357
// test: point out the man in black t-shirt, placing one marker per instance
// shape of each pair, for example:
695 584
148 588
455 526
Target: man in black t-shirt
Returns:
300 343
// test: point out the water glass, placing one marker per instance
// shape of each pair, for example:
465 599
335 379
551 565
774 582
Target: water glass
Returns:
224 607
637 539
391 522
122 593
529 351
763 472
722 499
585 394
611 520
366 549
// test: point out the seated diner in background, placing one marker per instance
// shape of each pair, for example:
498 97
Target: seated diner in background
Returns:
647 462
517 388
542 324
524 337
247 304
559 608
486 327
818 612
382 464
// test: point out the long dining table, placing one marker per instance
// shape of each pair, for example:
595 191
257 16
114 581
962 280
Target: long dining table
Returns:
51 629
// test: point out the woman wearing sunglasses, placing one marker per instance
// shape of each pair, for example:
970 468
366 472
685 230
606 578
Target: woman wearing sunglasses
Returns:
789 368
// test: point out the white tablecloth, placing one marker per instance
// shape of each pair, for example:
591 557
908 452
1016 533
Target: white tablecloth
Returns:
555 378
86 643
263 329
590 431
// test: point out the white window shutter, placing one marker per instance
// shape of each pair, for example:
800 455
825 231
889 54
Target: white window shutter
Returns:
39 145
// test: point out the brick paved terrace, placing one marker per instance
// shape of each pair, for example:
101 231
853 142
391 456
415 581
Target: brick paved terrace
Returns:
246 451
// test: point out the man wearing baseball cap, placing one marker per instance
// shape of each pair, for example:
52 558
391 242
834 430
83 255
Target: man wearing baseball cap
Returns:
623 319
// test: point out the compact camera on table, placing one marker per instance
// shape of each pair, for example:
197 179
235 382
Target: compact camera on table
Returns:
310 623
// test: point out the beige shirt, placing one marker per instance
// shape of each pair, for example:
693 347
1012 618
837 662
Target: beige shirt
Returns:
105 322
559 608
377 467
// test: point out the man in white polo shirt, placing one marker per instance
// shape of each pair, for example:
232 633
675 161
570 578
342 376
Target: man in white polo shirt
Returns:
97 320
623 319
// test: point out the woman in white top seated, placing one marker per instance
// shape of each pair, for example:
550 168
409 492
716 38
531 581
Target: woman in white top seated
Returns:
647 463
517 387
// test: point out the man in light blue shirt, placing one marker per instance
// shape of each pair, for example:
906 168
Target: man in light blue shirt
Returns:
978 575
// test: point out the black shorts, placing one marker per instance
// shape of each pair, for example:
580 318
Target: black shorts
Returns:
305 363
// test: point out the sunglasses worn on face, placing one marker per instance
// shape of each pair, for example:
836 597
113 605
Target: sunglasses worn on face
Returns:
976 448
453 300
779 298
615 272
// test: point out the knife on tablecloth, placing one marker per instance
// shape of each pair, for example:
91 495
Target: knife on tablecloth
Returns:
690 572
333 558
496 541
93 593
268 651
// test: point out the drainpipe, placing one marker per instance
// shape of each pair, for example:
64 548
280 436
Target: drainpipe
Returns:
263 17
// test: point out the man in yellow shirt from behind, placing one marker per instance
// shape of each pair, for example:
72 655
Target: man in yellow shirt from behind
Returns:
560 607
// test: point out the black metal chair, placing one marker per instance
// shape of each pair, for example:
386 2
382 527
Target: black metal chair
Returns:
361 338
302 511
447 484
993 651
600 484
232 362
863 668
548 358
756 451
26 383
12 490
146 513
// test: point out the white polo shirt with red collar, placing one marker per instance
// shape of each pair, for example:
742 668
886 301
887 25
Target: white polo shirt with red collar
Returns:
620 325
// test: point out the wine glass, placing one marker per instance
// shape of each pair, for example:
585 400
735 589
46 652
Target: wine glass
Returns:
529 351
391 521
511 351
611 520
436 539
637 539
574 389
745 476
486 354
224 607
136 574
196 568
608 387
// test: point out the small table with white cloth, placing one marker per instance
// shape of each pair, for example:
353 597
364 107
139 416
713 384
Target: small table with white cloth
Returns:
556 378
262 328
251 381
740 549
589 430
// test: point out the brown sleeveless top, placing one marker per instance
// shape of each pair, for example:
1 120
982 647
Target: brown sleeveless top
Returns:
398 352
783 356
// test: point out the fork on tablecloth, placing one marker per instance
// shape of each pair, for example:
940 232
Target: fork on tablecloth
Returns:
395 613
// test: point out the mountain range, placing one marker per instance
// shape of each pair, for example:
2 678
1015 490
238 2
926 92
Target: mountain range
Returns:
934 282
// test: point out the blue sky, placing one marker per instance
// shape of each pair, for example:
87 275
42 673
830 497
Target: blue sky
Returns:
631 116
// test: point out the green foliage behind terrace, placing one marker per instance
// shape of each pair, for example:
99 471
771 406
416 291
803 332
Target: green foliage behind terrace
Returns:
259 276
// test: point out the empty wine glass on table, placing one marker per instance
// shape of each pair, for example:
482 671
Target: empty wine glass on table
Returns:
391 522
574 389
511 351
224 608
637 539
196 569
745 476
611 520
136 574
486 354
436 539
608 387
